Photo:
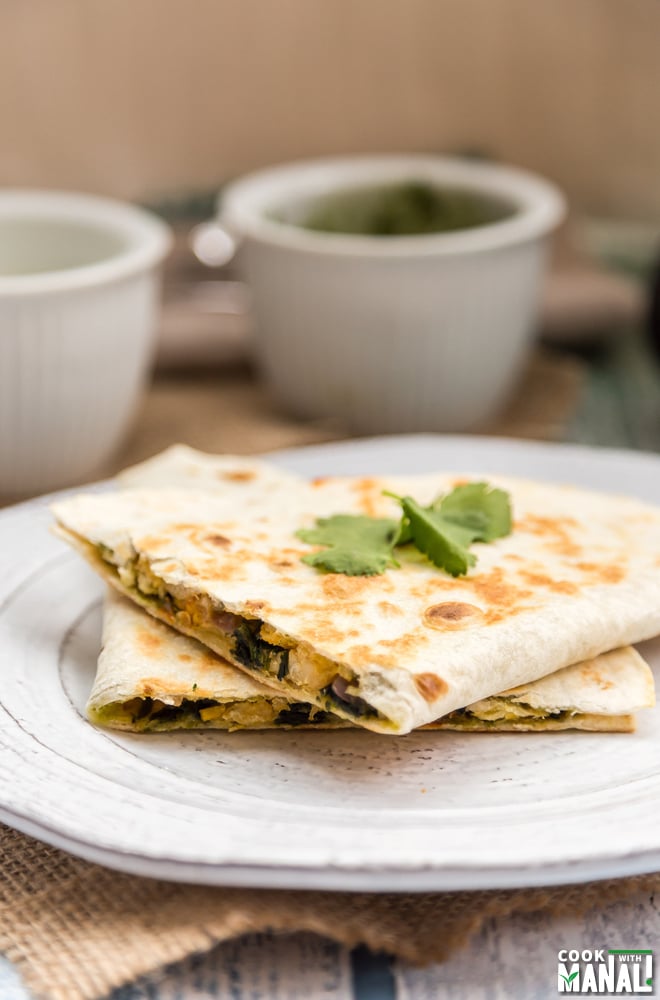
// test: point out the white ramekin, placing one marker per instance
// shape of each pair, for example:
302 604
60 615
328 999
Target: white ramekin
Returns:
77 318
392 333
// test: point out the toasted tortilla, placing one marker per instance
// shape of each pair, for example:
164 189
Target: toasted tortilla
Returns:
578 576
151 678
241 479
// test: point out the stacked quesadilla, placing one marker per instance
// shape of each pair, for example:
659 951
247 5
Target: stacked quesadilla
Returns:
151 678
540 618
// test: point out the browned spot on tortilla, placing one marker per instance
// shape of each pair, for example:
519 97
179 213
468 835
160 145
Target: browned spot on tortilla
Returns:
600 573
514 557
286 557
367 496
564 587
199 533
320 480
405 645
553 530
590 672
344 606
362 656
388 652
158 686
148 643
366 483
221 540
452 614
543 580
238 475
429 686
434 589
210 660
230 568
168 567
185 657
150 542
502 598
282 563
205 571
389 609
326 632
344 587
255 607
461 481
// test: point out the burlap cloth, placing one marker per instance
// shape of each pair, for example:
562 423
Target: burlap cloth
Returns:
76 930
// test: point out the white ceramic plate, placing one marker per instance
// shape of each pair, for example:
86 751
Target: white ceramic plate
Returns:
337 810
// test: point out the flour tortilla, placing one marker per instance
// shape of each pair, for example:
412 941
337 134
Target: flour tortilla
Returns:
151 678
235 476
579 575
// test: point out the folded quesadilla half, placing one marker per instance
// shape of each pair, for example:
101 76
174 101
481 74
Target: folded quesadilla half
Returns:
151 678
578 576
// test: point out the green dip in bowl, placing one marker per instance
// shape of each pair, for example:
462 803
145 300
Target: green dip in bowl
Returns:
409 208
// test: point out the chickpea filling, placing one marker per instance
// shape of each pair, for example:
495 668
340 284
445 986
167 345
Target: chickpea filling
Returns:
152 715
242 640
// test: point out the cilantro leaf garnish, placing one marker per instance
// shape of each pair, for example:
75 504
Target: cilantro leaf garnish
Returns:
357 545
444 542
478 506
405 532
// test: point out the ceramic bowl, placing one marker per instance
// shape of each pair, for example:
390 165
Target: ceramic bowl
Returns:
405 333
79 284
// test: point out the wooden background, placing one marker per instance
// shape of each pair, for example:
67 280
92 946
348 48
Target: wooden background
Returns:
149 98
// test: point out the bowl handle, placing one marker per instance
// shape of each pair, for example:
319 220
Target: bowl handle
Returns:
213 244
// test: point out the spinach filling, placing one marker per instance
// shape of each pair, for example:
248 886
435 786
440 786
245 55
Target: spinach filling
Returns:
149 713
348 703
299 714
254 652
248 649
465 716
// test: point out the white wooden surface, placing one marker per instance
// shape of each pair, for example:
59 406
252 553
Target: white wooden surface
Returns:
516 958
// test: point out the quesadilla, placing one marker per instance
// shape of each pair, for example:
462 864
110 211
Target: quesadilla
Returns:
578 576
151 678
